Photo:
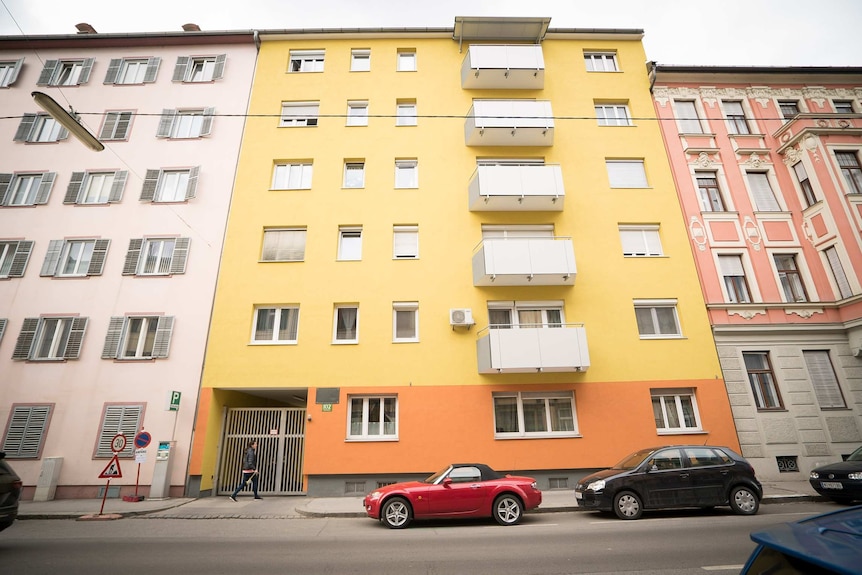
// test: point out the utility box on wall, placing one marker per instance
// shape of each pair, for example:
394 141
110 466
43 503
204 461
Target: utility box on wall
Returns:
46 485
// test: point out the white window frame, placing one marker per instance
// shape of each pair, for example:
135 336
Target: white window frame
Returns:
405 242
707 200
277 315
14 256
349 243
405 311
116 126
63 336
96 188
785 102
550 314
405 113
360 60
653 307
405 60
626 173
26 189
613 115
732 268
671 404
131 71
199 69
292 176
152 341
640 240
785 283
26 430
299 114
66 72
543 399
597 61
739 121
40 129
336 316
170 185
839 276
123 419
687 124
406 174
824 380
306 61
86 256
354 174
357 112
156 256
763 196
9 70
186 124
365 433
292 249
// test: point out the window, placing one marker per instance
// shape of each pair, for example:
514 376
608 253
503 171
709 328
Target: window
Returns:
405 321
804 183
294 114
764 197
346 325
406 174
349 243
789 278
75 258
119 418
357 113
841 106
138 337
354 174
838 274
762 380
26 189
657 319
14 255
182 124
525 315
292 176
306 61
601 61
40 128
626 173
687 119
406 60
3 322
9 72
116 126
534 414
50 338
360 60
65 72
283 245
95 187
26 430
709 194
156 256
736 122
613 115
849 164
373 417
199 68
640 241
275 324
789 109
170 185
823 378
405 242
405 113
674 410
733 275
132 70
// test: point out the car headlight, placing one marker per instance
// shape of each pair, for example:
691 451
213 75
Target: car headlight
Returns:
813 475
535 486
374 495
596 485
855 475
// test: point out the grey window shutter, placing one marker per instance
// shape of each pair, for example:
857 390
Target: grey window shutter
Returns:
62 134
181 69
125 419
5 180
26 431
25 128
151 180
207 124
166 123
163 336
152 69
45 187
3 322
181 254
112 339
132 256
118 186
85 71
97 261
25 338
218 71
113 71
14 75
107 132
52 258
76 338
20 259
192 189
47 73
74 187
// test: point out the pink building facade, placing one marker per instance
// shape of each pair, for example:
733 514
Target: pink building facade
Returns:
768 167
108 260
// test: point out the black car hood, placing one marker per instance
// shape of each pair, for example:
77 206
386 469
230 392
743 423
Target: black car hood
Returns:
843 466
605 474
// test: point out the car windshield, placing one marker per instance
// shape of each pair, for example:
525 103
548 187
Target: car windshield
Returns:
436 477
633 460
856 455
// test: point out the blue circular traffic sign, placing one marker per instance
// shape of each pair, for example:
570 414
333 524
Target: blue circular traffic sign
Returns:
142 439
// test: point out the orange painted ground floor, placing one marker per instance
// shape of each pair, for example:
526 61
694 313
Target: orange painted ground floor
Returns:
347 440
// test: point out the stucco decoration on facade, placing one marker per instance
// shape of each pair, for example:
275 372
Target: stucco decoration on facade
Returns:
804 313
664 95
698 233
752 233
754 160
704 160
746 313
792 154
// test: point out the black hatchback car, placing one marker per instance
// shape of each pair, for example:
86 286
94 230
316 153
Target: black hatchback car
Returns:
841 482
673 476
10 493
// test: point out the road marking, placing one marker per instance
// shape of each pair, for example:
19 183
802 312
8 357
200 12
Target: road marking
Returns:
722 567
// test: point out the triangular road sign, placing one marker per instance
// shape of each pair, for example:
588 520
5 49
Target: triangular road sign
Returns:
112 469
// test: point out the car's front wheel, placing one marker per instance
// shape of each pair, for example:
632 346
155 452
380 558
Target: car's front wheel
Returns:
628 505
744 501
396 513
508 509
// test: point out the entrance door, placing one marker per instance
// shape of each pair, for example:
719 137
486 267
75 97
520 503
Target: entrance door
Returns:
280 436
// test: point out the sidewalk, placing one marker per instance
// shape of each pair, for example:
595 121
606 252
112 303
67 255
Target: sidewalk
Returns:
299 506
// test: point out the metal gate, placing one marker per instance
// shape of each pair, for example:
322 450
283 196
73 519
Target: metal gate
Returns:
280 435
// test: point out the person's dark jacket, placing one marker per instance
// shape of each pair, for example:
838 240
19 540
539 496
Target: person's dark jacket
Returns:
249 462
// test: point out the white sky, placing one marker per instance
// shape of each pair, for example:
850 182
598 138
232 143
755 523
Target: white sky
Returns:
677 32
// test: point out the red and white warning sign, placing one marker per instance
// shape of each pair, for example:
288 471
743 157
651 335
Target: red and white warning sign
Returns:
112 470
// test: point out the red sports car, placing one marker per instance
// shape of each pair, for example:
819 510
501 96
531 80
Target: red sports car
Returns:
458 490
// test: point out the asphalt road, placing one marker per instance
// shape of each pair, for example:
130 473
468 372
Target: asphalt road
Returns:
677 543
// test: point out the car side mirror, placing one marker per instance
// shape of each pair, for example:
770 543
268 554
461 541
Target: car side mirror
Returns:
447 482
651 468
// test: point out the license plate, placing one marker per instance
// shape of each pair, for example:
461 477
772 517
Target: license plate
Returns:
579 495
831 485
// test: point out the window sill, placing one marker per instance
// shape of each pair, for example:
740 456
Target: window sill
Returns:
661 432
547 436
351 342
265 343
661 337
370 439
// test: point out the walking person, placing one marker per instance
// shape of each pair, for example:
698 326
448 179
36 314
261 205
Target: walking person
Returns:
249 471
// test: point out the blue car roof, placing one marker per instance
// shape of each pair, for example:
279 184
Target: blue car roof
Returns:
831 540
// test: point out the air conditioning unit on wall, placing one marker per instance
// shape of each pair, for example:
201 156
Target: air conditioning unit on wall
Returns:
461 316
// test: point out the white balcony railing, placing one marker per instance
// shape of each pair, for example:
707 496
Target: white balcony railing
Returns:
523 261
513 67
509 123
517 187
525 350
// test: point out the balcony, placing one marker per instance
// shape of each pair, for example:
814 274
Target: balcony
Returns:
509 123
528 350
517 188
537 261
515 67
